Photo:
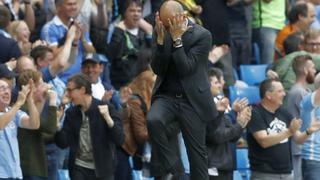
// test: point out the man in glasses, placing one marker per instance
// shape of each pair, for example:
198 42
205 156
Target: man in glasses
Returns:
91 129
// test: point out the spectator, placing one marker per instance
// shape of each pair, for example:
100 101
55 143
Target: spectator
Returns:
31 142
310 115
55 33
135 124
91 129
218 141
268 18
10 119
93 66
131 35
268 134
300 17
304 70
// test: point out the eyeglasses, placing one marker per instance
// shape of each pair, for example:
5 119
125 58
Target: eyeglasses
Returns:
4 88
68 90
314 45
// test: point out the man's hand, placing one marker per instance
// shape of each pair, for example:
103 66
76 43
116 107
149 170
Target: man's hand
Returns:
145 26
104 110
217 52
314 126
107 95
52 97
222 104
295 125
244 116
159 30
178 25
239 104
272 74
125 93
72 32
22 96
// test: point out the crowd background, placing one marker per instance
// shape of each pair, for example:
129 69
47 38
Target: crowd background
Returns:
111 42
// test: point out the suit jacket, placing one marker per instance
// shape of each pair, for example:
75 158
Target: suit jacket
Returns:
103 138
191 60
9 49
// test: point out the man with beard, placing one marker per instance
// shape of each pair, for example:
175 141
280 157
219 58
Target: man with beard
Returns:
304 70
310 114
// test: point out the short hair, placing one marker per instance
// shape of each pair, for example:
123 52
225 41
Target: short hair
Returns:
128 3
215 72
292 42
58 2
311 34
5 17
81 80
39 52
297 10
266 86
299 62
26 75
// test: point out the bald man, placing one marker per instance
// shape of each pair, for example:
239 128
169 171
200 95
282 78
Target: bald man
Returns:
181 93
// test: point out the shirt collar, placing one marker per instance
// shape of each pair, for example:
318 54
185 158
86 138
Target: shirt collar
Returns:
57 21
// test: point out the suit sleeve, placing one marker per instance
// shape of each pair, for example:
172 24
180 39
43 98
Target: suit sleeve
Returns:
159 60
187 61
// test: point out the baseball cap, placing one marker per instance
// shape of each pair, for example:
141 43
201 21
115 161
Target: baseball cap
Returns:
94 57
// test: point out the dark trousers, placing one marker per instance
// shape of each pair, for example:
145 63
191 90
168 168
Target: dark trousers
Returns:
123 171
166 110
81 173
223 175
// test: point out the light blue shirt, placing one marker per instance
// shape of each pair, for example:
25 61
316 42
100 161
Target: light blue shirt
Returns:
311 147
9 149
54 33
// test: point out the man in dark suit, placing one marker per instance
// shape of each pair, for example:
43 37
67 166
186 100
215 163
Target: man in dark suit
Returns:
181 93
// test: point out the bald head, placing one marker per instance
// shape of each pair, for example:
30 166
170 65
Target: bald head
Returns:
168 10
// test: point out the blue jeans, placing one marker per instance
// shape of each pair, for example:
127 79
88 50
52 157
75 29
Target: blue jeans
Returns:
310 169
265 38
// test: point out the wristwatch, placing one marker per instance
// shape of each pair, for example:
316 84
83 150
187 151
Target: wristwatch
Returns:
177 43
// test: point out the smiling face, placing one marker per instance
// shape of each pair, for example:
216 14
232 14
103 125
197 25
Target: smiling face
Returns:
69 9
277 94
133 15
5 95
93 70
74 93
23 32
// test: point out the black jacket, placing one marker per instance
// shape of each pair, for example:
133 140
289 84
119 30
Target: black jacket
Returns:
220 153
103 138
191 62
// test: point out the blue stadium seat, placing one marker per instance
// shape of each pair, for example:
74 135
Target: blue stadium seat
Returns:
253 74
237 175
63 174
250 92
243 165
